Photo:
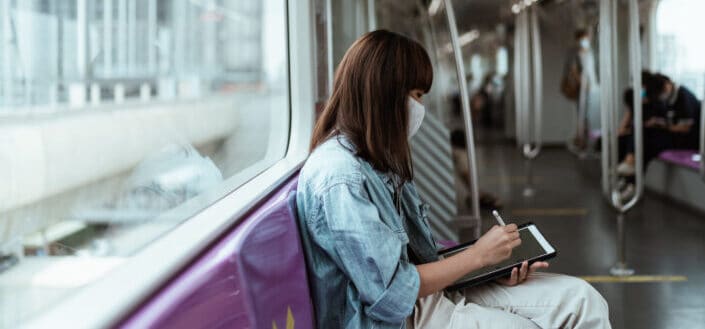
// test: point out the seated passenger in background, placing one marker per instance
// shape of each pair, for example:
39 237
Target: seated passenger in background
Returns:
671 121
370 254
656 138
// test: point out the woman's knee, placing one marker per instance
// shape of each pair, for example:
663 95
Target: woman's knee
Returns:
587 296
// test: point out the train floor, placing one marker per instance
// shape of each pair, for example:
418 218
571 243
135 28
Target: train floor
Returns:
665 243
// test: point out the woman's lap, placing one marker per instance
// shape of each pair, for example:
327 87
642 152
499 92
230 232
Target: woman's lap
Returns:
544 301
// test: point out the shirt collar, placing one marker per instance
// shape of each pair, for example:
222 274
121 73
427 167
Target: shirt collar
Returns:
674 95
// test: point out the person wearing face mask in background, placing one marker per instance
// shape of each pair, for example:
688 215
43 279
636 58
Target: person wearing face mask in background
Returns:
371 257
655 138
676 125
579 83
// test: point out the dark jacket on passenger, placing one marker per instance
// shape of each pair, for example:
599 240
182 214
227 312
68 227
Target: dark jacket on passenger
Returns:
684 107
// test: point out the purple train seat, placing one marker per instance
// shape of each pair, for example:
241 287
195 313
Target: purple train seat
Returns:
683 158
253 277
594 134
447 243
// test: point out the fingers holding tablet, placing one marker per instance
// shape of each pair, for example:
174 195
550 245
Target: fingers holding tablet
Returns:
511 228
504 252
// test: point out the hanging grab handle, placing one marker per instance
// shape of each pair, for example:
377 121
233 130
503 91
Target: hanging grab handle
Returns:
608 101
528 78
529 150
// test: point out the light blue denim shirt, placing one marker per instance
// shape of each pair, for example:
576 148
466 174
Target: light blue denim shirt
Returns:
356 241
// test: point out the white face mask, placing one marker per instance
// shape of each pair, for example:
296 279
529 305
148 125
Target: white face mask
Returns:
585 43
416 114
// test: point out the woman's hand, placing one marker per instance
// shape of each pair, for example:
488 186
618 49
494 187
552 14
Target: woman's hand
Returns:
497 244
520 275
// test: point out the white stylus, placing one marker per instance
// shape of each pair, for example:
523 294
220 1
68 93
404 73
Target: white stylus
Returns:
498 217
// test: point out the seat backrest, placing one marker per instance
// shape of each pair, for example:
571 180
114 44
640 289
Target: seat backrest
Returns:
434 176
684 158
254 277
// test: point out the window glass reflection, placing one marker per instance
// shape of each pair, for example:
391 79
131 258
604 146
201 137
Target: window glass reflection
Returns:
679 46
120 119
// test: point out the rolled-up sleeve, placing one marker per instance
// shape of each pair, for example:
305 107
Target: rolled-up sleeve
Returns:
369 252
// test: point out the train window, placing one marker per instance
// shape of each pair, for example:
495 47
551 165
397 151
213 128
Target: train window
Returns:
679 47
119 120
502 61
324 38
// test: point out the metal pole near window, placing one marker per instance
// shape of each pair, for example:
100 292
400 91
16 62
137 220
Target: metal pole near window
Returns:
702 141
371 15
6 42
519 100
465 103
329 43
152 37
108 38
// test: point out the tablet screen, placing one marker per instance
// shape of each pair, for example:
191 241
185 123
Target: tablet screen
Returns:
533 245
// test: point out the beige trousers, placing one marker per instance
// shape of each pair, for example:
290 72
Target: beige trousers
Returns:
544 301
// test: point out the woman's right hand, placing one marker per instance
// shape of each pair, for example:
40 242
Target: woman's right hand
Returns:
497 244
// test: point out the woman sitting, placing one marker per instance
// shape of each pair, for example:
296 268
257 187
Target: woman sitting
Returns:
371 257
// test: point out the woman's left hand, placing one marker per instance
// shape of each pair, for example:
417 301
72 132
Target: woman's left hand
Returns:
520 275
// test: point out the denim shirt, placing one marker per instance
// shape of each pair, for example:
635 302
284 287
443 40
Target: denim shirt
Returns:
356 241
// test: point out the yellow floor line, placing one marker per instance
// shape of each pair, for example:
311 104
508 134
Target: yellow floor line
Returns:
510 179
549 212
634 278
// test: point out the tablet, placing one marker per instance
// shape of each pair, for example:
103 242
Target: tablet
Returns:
534 248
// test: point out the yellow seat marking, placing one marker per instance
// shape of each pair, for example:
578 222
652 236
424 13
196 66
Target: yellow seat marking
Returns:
634 278
515 179
549 212
289 320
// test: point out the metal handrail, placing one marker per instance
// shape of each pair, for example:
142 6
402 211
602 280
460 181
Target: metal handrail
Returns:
533 151
635 61
465 103
609 96
527 55
702 141
330 68
528 73
519 99
371 15
525 72
606 79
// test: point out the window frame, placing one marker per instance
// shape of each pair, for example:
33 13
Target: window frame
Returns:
655 56
106 302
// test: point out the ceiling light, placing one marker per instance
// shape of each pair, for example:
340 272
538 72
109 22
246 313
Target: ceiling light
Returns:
434 7
515 8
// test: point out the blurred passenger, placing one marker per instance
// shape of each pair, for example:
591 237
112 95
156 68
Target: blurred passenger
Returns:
459 146
484 101
579 80
673 121
370 253
462 172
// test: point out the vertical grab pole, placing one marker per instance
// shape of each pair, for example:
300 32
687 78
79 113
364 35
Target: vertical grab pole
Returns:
532 145
605 38
610 139
702 141
537 65
371 15
526 126
329 44
465 103
635 61
519 99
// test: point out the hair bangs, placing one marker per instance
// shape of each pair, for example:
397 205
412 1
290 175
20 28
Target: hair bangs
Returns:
419 68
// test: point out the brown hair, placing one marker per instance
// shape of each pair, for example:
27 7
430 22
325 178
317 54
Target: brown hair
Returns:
369 102
581 33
